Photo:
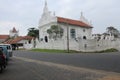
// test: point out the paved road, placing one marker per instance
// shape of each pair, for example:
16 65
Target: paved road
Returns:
28 69
102 61
26 65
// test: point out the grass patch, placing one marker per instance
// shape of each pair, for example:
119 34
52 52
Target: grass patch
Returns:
71 51
107 50
21 49
53 51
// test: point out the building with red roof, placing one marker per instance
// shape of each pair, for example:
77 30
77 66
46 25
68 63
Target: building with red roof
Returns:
19 41
81 28
57 32
3 38
12 34
14 39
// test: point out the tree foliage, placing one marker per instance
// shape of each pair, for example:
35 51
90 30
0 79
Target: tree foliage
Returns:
113 31
33 32
55 32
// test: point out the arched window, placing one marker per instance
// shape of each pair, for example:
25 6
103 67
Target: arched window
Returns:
73 33
29 41
84 37
46 39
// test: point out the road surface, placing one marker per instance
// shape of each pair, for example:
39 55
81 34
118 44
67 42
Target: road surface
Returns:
27 65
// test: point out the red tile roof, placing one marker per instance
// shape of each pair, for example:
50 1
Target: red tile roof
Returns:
16 40
73 22
4 36
28 37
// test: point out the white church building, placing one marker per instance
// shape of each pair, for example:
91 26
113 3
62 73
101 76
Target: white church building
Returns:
69 33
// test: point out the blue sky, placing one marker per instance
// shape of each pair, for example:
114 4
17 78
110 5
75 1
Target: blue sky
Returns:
23 14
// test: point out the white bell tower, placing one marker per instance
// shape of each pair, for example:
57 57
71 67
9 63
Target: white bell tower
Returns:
13 33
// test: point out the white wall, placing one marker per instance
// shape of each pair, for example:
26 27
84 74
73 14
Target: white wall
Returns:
80 45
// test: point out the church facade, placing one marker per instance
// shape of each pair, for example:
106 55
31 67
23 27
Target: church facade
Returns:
77 28
72 30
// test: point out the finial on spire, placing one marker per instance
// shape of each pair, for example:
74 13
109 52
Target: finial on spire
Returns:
45 2
45 10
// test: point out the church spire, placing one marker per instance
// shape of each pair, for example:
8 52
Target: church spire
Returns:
45 3
45 10
46 13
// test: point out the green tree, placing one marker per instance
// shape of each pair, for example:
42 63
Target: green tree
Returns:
113 31
55 32
33 32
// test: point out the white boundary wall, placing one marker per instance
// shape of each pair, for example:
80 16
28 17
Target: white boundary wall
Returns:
78 45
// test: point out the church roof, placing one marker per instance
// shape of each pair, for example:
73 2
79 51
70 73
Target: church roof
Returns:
4 36
73 22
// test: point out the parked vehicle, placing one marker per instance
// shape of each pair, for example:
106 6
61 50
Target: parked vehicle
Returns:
9 48
2 60
5 51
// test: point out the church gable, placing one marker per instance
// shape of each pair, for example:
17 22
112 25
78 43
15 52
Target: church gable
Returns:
47 17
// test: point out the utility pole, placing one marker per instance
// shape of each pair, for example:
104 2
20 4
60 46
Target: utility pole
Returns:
67 36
